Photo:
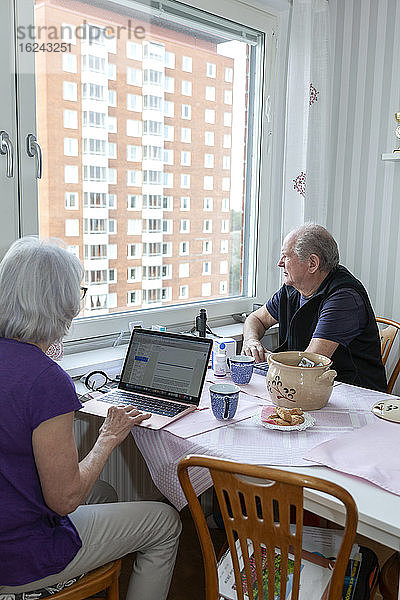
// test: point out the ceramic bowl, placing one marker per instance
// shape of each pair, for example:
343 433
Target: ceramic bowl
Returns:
306 387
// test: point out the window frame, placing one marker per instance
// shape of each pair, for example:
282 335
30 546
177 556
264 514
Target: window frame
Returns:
265 182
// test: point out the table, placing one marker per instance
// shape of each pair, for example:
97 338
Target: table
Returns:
379 510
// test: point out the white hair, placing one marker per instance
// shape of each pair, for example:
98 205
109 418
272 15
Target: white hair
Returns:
311 238
39 290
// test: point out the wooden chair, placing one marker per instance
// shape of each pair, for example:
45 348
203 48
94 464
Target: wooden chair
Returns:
102 578
387 336
256 503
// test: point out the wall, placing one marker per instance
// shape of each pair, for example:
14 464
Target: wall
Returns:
363 201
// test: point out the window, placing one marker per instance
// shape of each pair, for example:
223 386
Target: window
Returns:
186 135
224 246
228 74
71 174
94 146
185 180
223 287
133 128
134 102
186 111
112 150
134 202
207 226
209 138
185 158
184 270
183 248
71 200
186 64
169 60
133 153
228 96
169 133
209 161
71 227
185 226
206 268
169 84
68 33
207 203
133 50
133 178
70 91
226 162
206 289
185 203
168 157
227 119
209 115
210 93
133 76
186 88
223 267
183 291
70 147
69 63
134 274
208 182
133 298
169 109
70 119
132 88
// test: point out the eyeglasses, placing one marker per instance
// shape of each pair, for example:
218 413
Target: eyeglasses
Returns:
99 380
83 291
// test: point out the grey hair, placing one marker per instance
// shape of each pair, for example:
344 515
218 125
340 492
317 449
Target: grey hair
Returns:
39 290
311 238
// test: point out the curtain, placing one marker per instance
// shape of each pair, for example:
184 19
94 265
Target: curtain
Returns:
307 123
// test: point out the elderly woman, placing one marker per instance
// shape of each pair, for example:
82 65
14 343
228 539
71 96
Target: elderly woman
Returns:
47 534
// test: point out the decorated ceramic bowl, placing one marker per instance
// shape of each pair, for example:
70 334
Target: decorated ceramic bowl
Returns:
290 385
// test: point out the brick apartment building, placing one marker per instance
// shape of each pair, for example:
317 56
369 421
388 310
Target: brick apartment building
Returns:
136 132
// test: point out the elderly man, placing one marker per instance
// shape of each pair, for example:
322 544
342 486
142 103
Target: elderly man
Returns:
320 308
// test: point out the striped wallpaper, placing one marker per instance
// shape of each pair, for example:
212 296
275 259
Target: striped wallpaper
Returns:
364 191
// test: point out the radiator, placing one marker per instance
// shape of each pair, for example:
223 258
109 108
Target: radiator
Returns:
125 470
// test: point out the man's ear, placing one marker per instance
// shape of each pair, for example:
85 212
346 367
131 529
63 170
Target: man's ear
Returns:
313 263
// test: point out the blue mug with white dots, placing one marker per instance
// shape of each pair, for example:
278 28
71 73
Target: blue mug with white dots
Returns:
241 368
224 400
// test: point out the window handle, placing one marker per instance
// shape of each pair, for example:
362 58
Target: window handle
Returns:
6 148
33 149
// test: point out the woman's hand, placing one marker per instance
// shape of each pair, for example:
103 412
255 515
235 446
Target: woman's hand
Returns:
119 422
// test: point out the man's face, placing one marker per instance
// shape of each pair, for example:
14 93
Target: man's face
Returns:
295 272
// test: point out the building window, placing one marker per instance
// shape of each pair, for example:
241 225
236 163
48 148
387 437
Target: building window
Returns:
168 133
183 248
133 298
134 178
168 180
207 247
224 246
134 202
211 70
185 226
208 183
209 138
70 147
167 203
209 116
168 157
152 152
183 292
133 153
226 184
185 158
206 268
92 118
207 226
152 102
134 102
227 119
112 150
94 173
185 181
210 93
227 143
71 200
209 161
207 203
226 162
223 287
184 270
152 127
94 146
133 128
228 96
133 50
134 274
225 205
151 76
70 119
228 74
169 85
186 111
69 63
206 289
223 267
185 203
112 71
94 200
112 98
224 225
70 91
133 76
169 60
112 124
71 227
134 251
169 109
186 135
71 174
152 201
186 64
186 88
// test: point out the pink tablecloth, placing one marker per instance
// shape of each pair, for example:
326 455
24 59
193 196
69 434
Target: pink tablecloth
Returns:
247 441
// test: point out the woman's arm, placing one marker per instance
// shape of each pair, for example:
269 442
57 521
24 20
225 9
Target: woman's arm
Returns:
65 481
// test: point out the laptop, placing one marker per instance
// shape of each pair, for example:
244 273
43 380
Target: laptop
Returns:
163 374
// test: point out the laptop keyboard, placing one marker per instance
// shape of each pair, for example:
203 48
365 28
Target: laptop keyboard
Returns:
146 404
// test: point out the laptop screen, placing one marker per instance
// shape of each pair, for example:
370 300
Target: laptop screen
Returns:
169 365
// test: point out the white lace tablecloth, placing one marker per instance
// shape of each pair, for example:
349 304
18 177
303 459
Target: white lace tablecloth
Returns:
349 408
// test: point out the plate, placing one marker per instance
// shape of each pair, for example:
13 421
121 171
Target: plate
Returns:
309 421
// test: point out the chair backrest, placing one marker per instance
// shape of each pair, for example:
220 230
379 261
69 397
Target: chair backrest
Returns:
387 336
257 503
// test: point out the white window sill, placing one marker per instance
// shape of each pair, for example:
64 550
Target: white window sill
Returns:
80 363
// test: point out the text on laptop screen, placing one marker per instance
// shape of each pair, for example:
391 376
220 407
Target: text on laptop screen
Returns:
171 366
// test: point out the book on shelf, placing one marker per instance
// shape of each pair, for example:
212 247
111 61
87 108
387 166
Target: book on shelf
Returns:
316 569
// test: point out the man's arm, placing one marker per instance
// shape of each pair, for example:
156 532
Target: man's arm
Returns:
66 482
321 346
254 328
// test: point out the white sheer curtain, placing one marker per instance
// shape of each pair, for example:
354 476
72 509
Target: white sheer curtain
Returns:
307 130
